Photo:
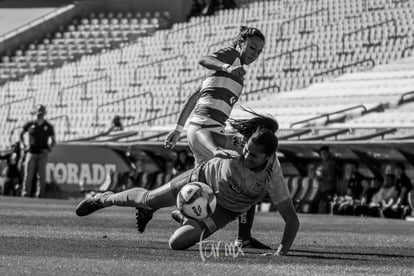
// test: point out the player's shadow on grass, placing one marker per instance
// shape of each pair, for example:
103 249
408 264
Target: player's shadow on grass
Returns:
314 255
384 255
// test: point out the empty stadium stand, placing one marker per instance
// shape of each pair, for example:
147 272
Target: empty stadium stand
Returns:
327 66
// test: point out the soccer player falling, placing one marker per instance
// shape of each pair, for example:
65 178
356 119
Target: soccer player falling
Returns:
243 182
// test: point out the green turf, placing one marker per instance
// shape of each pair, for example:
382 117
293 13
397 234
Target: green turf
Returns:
44 237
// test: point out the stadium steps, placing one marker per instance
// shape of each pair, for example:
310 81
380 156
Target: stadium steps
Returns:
166 83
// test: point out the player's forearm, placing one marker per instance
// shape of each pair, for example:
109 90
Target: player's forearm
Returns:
288 213
212 63
22 139
52 143
185 112
289 235
188 107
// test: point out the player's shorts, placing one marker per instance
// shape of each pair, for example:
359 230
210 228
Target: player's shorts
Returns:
200 151
193 175
221 216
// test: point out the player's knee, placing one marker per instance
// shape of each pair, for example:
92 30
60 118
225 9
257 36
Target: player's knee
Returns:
179 242
186 236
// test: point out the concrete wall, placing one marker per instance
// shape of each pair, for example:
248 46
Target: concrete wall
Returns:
36 30
178 10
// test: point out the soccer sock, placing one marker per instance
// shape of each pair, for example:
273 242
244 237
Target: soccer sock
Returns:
135 197
246 223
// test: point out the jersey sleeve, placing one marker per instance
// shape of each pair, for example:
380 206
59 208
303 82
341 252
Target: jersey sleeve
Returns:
278 189
227 55
407 184
26 126
51 130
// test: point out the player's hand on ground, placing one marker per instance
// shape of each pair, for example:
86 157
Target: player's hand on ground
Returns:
281 251
225 153
273 254
172 139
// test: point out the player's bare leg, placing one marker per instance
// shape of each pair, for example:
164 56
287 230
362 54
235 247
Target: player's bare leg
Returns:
192 231
146 202
410 217
186 236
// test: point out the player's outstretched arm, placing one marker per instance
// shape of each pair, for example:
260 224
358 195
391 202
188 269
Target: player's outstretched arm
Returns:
215 64
189 105
21 136
288 213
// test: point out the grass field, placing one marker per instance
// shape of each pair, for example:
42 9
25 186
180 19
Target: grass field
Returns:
44 237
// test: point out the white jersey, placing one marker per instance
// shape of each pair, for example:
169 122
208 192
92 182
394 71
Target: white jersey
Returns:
240 188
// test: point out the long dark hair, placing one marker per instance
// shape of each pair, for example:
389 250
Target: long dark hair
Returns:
261 129
245 33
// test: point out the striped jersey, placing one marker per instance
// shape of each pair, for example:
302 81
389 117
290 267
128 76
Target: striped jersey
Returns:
219 92
240 188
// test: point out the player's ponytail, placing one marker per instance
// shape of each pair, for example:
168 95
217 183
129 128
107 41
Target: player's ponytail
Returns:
266 139
260 129
247 127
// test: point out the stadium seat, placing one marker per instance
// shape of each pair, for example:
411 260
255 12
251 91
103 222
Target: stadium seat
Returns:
302 191
309 204
294 182
96 31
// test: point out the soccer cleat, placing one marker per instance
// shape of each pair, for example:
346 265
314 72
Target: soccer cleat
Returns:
178 216
91 204
406 211
409 218
251 243
143 216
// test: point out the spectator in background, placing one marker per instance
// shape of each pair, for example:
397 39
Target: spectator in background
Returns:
209 7
342 184
12 170
349 191
41 140
357 184
403 184
327 175
311 170
410 217
169 171
116 123
165 175
382 201
373 187
135 173
196 8
183 163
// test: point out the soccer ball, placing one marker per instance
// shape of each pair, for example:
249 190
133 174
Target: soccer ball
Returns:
196 200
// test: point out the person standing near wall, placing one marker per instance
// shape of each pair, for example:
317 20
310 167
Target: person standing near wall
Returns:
327 176
12 174
41 140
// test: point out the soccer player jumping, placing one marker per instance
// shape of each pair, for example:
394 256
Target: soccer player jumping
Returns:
211 106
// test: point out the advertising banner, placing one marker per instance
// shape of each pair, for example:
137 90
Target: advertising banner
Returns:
70 164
